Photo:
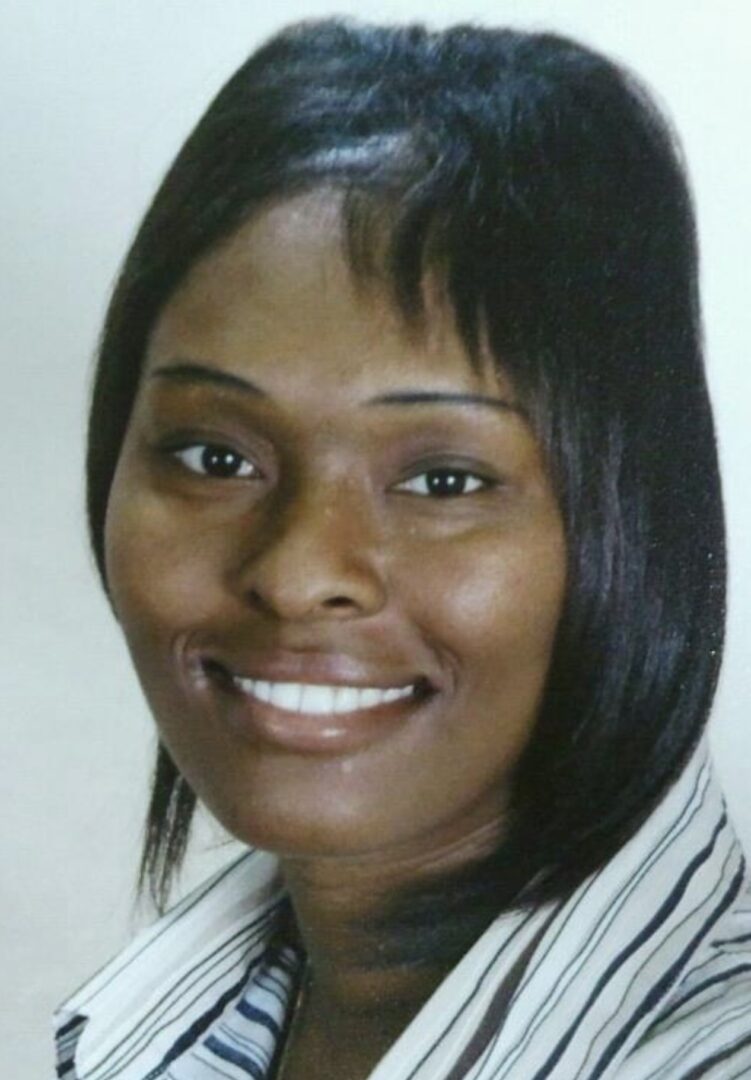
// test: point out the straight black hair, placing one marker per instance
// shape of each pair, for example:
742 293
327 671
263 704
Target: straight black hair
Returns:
538 179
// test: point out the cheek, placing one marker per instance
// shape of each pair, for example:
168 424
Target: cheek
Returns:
160 573
494 601
162 582
492 608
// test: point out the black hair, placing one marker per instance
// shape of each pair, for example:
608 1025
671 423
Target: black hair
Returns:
541 182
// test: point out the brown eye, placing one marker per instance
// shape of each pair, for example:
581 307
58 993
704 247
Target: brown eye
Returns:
444 483
219 462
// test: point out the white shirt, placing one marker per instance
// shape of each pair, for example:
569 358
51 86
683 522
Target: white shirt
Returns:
644 973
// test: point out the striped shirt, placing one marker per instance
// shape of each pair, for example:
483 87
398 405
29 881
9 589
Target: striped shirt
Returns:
643 973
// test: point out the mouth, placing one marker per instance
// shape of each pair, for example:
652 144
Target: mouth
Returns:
319 700
313 717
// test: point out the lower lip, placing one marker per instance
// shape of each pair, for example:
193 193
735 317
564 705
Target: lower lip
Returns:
306 733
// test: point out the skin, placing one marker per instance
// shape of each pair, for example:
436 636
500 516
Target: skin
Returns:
325 549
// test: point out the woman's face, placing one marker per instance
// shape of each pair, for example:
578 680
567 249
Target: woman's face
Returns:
335 553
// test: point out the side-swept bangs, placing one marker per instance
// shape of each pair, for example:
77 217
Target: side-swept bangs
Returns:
538 180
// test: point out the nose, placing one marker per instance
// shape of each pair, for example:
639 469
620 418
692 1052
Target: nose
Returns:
314 556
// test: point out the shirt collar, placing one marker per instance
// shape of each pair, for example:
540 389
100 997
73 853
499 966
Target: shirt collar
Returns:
135 1008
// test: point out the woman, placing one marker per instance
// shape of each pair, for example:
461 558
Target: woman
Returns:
403 487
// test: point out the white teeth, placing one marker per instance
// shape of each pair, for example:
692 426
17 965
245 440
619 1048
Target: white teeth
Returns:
392 695
315 699
368 698
286 696
262 690
319 700
345 700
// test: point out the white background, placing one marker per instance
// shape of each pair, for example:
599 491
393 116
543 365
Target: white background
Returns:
96 97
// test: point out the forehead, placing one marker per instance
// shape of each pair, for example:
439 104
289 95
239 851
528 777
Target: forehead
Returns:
281 294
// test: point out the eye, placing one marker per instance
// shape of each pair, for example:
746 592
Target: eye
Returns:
220 462
444 483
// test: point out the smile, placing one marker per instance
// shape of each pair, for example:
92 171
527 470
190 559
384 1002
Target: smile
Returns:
323 715
319 700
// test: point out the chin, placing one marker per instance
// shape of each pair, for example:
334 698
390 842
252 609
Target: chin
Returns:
306 820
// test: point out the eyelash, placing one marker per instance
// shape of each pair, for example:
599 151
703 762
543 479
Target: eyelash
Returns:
194 458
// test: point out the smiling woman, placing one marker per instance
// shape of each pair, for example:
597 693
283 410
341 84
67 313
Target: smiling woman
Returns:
280 515
403 487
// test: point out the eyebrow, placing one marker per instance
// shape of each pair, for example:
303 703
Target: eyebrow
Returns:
440 397
189 372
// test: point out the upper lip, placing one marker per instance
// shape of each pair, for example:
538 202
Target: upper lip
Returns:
315 669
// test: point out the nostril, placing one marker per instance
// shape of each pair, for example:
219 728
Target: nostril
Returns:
258 601
294 584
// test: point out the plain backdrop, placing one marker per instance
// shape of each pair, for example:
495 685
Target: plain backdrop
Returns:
96 98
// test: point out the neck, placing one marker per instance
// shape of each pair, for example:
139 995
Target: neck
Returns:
380 935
